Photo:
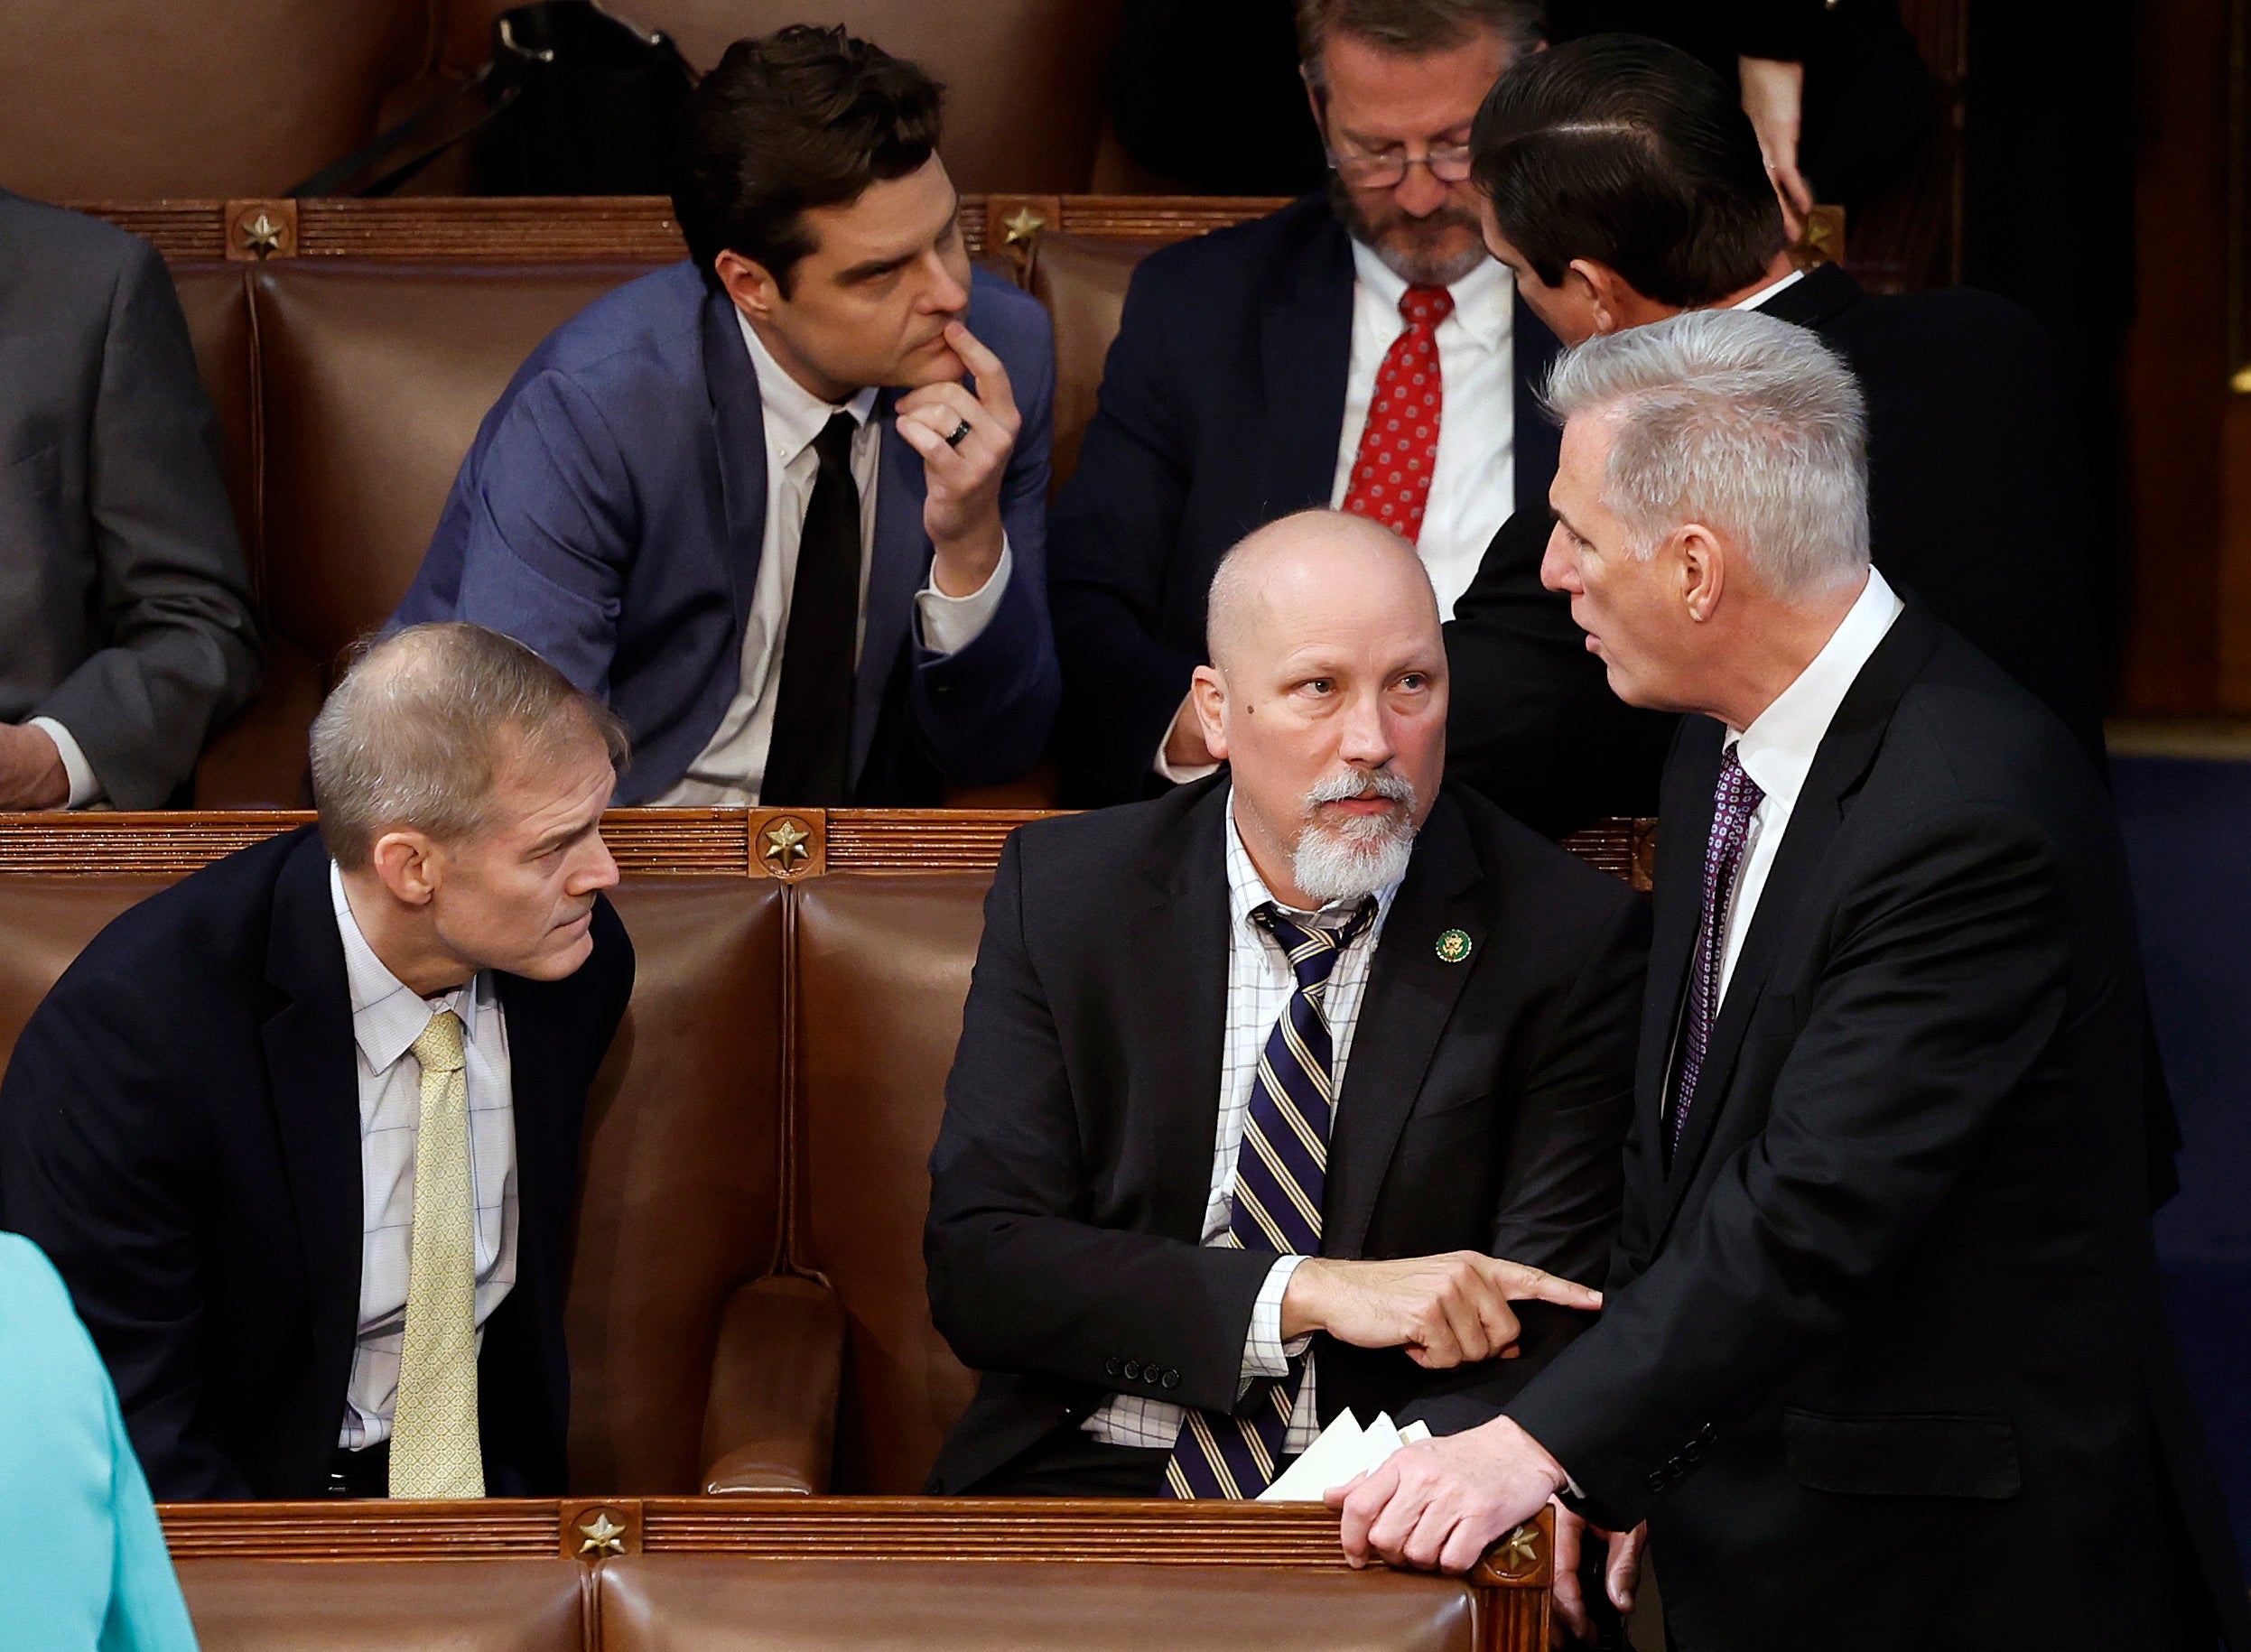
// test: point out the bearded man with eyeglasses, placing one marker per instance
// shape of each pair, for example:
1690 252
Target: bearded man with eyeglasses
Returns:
1358 350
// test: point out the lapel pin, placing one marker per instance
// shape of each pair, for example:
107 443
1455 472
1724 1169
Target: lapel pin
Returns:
1453 946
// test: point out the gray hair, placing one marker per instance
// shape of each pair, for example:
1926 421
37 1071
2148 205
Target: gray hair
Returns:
1740 421
412 735
1415 28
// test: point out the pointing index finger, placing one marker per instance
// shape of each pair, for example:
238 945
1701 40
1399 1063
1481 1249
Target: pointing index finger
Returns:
1534 1285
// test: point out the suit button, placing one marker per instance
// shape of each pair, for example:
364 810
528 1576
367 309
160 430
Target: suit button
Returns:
1694 1453
1112 1367
1152 1373
1134 1371
1172 1380
1657 1480
1707 1434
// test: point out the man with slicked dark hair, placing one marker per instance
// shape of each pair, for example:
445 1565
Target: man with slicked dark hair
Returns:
1621 183
783 505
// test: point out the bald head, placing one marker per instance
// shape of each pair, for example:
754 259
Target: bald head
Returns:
1326 699
1312 567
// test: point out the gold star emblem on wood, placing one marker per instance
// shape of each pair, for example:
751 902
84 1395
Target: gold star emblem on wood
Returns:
603 1535
786 842
1019 226
1518 1554
261 236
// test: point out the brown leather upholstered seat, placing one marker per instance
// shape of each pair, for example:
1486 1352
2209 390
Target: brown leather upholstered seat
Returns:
137 100
387 1606
1082 282
650 1602
373 380
883 967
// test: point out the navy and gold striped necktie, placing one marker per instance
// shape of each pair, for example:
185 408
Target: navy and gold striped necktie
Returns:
1279 1171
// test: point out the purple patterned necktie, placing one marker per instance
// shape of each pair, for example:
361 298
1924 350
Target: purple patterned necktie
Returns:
1733 800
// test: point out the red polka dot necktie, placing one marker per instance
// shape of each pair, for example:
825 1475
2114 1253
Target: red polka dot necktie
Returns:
1399 449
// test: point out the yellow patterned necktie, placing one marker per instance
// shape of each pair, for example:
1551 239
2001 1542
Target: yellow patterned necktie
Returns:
434 1449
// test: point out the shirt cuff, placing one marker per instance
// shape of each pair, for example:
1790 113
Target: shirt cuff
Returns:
84 787
1264 1353
951 624
1183 774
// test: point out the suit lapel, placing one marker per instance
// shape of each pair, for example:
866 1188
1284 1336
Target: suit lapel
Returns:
1175 971
1305 339
1537 441
314 1082
1410 996
541 1068
738 429
1855 735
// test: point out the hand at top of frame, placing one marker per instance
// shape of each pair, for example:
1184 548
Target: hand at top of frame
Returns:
1444 1310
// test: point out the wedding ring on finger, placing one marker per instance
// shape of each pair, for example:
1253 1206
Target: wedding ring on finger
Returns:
960 431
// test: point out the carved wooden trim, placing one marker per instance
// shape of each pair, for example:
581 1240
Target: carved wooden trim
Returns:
599 229
921 839
1292 1536
647 842
375 1529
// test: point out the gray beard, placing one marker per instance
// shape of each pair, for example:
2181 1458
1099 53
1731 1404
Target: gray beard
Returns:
1356 856
1416 269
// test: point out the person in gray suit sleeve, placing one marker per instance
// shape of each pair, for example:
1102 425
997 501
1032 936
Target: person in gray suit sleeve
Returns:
125 630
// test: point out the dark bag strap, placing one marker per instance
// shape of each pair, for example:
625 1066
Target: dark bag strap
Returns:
473 105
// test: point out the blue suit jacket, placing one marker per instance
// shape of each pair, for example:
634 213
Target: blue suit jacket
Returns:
1222 406
613 512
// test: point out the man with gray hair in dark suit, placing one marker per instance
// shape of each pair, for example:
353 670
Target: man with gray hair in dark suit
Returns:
125 631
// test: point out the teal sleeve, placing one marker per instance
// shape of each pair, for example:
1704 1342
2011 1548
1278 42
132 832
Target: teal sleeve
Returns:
92 1571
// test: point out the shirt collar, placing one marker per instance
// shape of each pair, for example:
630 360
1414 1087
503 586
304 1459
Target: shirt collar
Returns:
793 415
1247 890
1485 300
1777 750
387 1014
1758 300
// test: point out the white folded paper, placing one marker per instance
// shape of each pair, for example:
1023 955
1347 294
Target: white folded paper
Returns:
1343 1450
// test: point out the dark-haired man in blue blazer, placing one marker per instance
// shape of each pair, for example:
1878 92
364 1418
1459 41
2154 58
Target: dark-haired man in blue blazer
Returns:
749 500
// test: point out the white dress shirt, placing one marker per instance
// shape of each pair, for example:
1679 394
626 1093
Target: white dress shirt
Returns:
84 787
1473 486
1259 982
388 1016
1758 300
729 771
1777 749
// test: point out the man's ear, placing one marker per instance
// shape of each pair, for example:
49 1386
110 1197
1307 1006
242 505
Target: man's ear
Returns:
1207 692
1703 570
749 283
1604 292
405 861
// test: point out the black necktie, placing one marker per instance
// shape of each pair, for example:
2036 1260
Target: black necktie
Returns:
807 758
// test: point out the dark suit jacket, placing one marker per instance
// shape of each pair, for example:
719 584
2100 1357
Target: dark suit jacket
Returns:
611 515
1881 1361
1482 1109
180 1131
1222 406
124 606
1978 503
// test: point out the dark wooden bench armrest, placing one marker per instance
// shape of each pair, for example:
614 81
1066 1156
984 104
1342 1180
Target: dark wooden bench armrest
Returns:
771 1422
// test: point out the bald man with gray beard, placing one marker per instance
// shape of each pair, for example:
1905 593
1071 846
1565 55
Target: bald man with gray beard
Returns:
1297 1090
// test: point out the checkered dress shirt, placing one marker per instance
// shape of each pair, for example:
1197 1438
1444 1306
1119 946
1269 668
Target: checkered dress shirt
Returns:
1259 984
388 1016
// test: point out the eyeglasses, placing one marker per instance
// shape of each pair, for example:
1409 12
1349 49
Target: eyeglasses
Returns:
1448 164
